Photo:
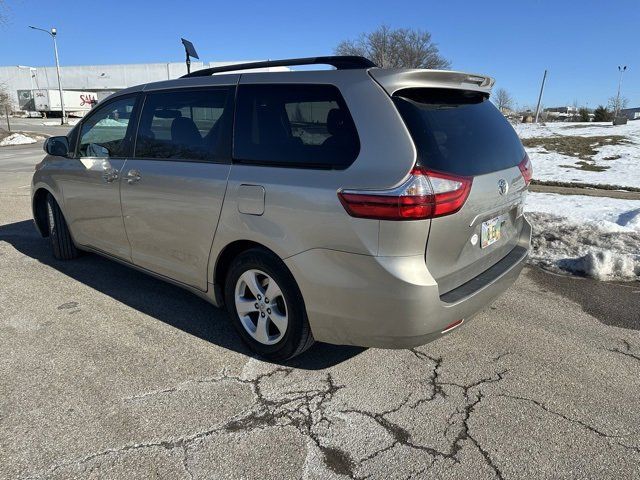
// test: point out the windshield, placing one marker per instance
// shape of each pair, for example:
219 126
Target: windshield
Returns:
458 131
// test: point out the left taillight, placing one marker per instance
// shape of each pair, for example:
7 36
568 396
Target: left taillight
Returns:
526 169
425 194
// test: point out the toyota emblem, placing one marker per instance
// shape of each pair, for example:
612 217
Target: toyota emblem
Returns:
503 186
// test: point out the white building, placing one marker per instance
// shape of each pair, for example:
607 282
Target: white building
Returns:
20 80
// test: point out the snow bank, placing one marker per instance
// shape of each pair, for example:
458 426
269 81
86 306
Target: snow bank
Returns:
595 237
16 139
561 245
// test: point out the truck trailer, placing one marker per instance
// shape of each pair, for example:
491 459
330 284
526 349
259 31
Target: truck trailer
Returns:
75 102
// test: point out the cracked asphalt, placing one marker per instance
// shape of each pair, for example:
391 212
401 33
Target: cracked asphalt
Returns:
108 373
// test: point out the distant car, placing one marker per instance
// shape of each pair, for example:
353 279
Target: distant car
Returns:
359 205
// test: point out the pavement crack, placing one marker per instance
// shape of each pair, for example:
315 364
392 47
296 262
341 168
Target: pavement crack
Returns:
166 444
304 410
627 351
499 357
436 386
180 442
185 460
466 434
401 436
179 387
580 423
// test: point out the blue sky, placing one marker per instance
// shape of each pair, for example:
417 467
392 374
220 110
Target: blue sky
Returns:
580 42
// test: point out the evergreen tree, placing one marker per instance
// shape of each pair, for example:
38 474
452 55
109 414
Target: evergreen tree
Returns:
602 114
583 114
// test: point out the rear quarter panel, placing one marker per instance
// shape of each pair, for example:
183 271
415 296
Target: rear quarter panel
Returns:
302 210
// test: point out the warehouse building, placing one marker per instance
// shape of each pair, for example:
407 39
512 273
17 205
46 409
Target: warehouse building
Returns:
20 81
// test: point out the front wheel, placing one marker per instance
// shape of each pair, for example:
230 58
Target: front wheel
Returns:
59 235
266 307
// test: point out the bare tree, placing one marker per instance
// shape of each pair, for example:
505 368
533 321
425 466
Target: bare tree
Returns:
5 100
503 100
5 105
399 48
617 103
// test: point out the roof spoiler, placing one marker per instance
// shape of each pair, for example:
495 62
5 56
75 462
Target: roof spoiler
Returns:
395 79
340 62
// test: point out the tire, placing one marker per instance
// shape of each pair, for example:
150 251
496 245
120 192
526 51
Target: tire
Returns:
273 338
61 242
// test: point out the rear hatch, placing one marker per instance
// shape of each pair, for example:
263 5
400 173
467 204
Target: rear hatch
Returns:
460 132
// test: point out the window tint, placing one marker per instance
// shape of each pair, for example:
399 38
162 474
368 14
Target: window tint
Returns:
103 133
188 125
294 125
458 131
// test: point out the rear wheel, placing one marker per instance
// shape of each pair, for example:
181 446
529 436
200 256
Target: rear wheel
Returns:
61 242
266 307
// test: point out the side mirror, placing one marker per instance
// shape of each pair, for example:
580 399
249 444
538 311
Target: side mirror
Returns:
57 146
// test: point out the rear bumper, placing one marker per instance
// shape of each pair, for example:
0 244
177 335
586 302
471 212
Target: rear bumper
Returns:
392 302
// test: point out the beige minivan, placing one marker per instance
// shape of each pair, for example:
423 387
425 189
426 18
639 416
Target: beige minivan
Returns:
357 205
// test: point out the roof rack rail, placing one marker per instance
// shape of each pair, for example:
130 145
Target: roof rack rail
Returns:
341 62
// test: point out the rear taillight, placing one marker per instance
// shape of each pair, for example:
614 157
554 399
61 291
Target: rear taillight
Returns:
526 168
425 194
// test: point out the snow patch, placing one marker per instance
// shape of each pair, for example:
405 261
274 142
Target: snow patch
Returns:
16 139
610 214
622 160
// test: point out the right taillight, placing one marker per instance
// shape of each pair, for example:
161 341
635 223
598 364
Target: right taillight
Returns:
425 194
526 168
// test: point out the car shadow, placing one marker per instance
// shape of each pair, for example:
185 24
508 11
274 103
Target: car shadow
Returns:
161 300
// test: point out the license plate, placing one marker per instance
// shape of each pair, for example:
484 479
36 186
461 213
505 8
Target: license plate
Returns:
490 233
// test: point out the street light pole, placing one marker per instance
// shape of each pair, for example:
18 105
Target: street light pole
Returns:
55 49
53 34
621 70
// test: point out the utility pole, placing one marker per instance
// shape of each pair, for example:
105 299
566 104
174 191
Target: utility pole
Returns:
544 79
621 70
53 34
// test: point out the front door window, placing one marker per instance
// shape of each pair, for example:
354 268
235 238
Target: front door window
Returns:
103 134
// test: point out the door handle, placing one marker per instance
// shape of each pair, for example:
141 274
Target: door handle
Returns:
110 175
133 176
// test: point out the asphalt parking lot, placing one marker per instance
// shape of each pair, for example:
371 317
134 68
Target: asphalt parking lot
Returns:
108 373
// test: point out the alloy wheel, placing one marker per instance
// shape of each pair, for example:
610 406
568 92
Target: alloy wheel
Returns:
261 307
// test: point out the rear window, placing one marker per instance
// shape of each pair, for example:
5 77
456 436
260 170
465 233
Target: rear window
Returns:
303 126
458 131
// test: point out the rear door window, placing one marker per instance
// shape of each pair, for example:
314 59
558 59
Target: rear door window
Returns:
190 124
306 126
458 131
